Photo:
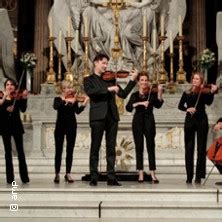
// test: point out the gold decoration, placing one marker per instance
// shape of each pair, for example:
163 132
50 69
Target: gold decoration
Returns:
123 154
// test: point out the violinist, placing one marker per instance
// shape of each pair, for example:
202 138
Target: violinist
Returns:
11 126
218 125
193 102
104 117
143 101
67 106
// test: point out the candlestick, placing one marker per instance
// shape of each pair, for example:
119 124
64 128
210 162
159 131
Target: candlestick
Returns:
154 40
60 42
162 25
171 42
69 26
50 27
86 27
144 26
180 25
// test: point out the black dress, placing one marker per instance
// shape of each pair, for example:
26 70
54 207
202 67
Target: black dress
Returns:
11 125
196 123
144 125
65 125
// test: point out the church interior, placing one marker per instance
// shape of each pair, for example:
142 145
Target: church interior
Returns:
44 42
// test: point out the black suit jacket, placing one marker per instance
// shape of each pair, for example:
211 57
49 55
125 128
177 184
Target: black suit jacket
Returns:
101 100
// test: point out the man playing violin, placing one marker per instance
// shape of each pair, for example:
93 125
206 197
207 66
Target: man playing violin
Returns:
193 102
11 125
104 116
143 101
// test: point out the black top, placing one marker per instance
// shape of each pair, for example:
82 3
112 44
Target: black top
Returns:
66 113
189 99
142 110
101 100
10 121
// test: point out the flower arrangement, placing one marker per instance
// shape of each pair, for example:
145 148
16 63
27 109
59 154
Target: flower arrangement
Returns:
207 59
123 155
28 60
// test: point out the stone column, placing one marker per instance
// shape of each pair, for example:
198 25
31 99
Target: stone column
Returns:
198 27
41 42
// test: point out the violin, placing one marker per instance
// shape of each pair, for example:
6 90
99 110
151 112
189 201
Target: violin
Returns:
206 89
79 98
153 88
109 75
18 94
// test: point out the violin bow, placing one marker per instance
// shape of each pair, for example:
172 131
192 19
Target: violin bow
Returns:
148 99
197 101
19 86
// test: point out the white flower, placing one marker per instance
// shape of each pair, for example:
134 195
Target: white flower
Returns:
28 60
207 59
123 155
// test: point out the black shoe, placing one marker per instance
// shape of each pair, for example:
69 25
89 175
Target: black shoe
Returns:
93 183
56 180
140 181
113 183
25 180
68 179
189 181
198 181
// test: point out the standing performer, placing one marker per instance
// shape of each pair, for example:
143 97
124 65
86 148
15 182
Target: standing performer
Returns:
193 103
66 106
143 124
104 116
11 125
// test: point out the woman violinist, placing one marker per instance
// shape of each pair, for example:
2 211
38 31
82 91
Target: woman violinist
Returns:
193 103
66 105
11 125
143 101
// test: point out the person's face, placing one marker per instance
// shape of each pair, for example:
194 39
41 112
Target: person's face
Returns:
101 65
67 90
143 82
196 81
9 86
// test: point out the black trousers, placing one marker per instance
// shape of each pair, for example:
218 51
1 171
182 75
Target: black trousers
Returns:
144 126
198 126
59 140
110 126
21 157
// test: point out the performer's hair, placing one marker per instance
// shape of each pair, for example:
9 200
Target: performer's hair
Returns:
199 74
65 83
142 74
13 82
100 57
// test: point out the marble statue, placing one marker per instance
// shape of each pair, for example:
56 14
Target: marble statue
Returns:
219 44
6 45
102 29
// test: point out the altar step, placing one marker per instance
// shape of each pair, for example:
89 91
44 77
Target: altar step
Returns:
169 199
43 167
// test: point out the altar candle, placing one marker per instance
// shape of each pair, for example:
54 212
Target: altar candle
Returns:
144 26
171 42
50 26
69 26
154 40
86 26
162 25
60 42
180 25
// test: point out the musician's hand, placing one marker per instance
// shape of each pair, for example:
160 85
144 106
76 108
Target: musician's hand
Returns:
191 110
10 109
86 100
71 100
113 89
144 103
218 126
133 74
25 94
214 88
